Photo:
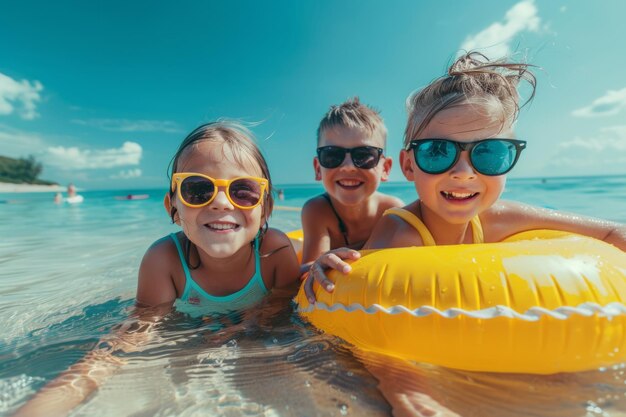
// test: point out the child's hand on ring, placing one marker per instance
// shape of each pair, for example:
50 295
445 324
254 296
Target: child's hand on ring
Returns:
332 259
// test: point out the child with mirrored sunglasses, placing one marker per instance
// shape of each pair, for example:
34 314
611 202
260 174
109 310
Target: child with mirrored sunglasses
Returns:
351 164
224 259
459 145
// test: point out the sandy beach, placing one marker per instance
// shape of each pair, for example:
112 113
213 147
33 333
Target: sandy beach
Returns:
30 188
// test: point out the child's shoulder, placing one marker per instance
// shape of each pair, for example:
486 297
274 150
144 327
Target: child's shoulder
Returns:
274 240
392 231
318 208
316 202
166 241
386 201
159 274
162 250
505 218
505 211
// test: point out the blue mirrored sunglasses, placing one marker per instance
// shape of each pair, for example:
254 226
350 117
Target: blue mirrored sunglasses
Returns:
488 156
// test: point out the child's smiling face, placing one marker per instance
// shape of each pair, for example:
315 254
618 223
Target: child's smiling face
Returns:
346 183
460 193
219 228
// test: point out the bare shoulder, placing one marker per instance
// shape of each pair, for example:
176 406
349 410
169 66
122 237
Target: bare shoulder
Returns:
316 208
393 232
387 201
155 282
280 266
273 240
160 252
506 218
505 211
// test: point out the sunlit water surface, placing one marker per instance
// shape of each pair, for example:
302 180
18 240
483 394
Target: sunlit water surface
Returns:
68 276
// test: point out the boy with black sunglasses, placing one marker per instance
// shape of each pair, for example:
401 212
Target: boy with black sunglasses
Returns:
351 164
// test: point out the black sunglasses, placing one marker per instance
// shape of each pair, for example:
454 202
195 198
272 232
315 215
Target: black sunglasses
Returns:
364 157
490 157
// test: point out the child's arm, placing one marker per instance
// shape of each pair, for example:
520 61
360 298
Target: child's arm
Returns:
507 218
314 226
389 232
60 396
334 259
73 386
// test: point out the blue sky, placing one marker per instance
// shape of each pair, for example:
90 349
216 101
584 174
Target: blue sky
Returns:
103 92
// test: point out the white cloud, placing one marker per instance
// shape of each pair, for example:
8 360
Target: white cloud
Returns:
73 158
124 125
23 93
495 39
602 154
609 104
127 174
15 143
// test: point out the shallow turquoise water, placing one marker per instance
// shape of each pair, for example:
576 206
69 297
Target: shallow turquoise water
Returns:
68 275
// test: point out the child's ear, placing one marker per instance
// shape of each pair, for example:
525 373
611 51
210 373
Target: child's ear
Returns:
406 164
388 162
318 169
167 203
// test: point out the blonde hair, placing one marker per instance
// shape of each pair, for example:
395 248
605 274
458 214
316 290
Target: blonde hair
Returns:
353 114
472 79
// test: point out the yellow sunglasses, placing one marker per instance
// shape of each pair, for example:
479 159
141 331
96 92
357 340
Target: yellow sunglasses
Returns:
198 190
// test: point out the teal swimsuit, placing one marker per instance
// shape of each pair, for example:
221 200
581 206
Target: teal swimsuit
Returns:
196 302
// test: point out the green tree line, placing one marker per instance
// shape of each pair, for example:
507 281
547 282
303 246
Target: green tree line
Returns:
21 171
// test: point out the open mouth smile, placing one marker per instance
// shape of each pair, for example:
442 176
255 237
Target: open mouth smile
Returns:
222 227
349 184
458 196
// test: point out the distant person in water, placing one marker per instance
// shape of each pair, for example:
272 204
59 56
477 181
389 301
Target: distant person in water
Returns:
281 194
71 190
58 198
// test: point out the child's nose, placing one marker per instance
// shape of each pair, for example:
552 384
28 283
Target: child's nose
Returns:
221 201
463 168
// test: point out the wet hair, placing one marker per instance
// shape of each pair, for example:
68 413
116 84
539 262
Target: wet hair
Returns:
353 114
471 80
244 149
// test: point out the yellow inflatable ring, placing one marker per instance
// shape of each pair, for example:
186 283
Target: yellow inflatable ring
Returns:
541 302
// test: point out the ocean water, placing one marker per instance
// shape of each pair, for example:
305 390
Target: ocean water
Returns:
68 277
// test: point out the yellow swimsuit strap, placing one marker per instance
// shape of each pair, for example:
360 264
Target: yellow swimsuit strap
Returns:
414 221
477 230
427 237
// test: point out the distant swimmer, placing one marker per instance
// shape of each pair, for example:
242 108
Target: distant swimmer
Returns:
75 199
132 197
71 191
72 197
58 198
